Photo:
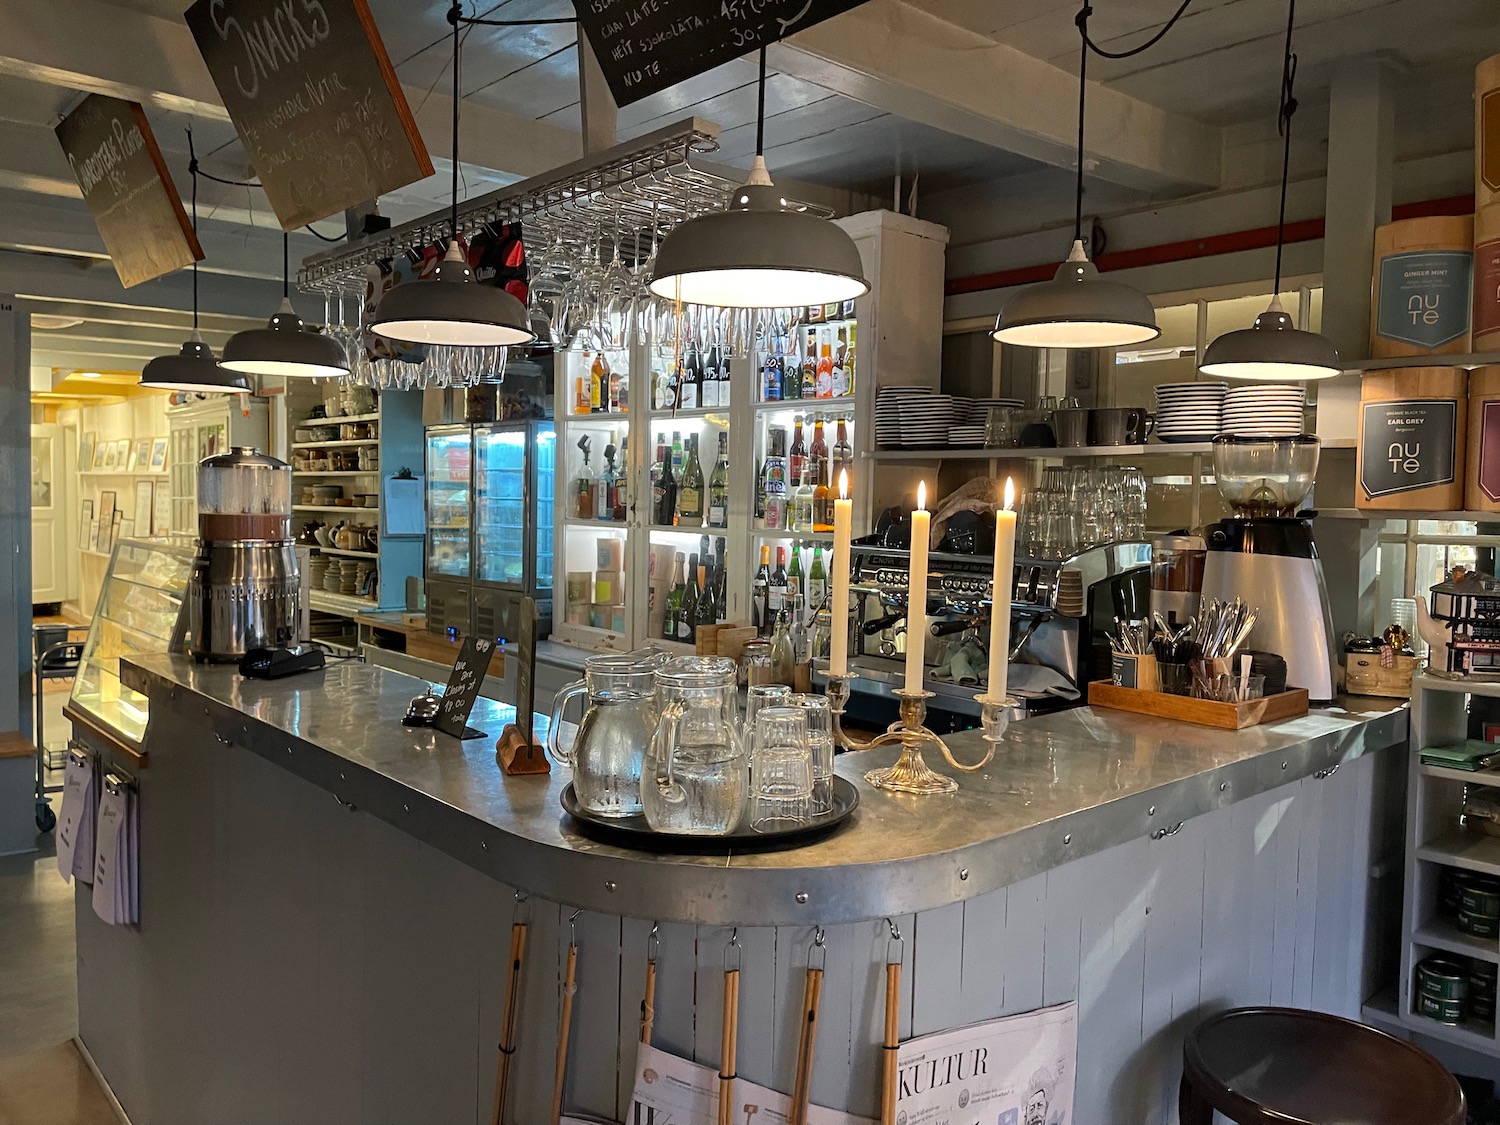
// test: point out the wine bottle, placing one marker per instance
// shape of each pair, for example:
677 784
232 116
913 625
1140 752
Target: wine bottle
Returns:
665 493
760 592
817 584
687 615
708 611
674 599
843 457
794 573
690 491
776 597
621 500
687 391
718 486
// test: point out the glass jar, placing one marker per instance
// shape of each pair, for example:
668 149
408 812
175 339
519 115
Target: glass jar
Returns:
620 720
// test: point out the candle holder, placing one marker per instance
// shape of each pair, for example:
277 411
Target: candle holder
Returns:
910 773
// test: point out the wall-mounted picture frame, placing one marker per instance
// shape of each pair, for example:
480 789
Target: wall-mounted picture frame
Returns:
88 518
140 456
127 529
143 494
107 500
161 509
122 453
110 457
158 455
101 455
86 450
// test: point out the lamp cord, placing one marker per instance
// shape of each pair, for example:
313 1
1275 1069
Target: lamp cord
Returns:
286 264
193 170
760 107
1147 45
455 17
1082 20
1287 108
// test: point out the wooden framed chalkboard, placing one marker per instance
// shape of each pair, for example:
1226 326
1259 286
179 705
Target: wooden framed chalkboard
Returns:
314 98
128 189
644 46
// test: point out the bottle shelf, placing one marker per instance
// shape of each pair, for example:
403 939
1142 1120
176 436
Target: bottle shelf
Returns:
806 405
699 414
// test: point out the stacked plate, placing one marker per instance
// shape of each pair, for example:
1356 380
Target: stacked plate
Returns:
1264 410
913 417
890 404
976 411
1189 411
966 436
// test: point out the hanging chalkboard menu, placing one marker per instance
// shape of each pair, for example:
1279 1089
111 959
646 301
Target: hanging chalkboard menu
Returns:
314 99
645 46
127 188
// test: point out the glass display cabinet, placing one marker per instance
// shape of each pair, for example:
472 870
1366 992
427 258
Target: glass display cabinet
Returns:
512 519
449 571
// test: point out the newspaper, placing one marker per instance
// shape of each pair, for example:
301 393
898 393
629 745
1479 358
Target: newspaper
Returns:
673 1091
1018 1070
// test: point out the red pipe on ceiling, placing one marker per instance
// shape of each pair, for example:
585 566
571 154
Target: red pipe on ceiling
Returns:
1235 242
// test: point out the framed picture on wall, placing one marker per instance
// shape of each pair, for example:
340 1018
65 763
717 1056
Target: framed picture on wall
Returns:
91 540
143 495
140 456
114 528
86 451
108 451
122 453
158 455
127 529
161 509
88 518
106 503
128 465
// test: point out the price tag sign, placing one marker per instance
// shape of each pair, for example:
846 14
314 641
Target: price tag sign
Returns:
463 687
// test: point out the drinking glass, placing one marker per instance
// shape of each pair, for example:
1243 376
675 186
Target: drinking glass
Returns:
760 696
693 777
820 746
781 779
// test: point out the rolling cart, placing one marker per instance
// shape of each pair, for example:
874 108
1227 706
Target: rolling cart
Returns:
57 656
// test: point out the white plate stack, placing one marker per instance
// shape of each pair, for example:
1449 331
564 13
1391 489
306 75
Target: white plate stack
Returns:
890 404
1264 410
926 421
1189 411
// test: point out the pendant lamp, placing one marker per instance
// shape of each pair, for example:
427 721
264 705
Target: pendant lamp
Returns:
453 308
759 252
193 368
284 346
1077 308
1274 348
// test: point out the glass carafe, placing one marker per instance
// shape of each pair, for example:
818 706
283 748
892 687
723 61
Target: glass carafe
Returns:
695 776
620 721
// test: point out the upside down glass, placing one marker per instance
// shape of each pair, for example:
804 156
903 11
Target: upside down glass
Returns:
781 769
694 776
820 747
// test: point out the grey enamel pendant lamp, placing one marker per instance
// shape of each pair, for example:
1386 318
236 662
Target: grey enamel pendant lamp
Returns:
1275 348
285 347
1077 308
759 252
452 308
193 368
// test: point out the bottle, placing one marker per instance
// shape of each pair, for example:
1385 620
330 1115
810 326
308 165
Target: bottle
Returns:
665 493
823 497
585 486
674 600
760 493
760 592
825 366
817 455
843 457
599 371
797 631
849 359
770 378
677 454
622 482
775 478
783 659
690 491
810 364
658 463
721 595
604 488
791 368
794 573
708 610
664 389
715 389
796 456
840 379
777 597
687 389
619 393
598 384
817 584
718 486
687 615
580 395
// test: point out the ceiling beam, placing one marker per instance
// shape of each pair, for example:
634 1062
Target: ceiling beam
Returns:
898 58
95 47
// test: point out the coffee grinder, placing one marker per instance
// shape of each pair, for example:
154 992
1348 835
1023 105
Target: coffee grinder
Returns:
1264 554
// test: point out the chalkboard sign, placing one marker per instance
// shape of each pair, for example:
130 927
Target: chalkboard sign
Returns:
314 99
1408 445
644 46
463 688
127 188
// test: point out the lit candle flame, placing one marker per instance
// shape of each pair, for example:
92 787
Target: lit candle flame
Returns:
921 495
1010 493
843 484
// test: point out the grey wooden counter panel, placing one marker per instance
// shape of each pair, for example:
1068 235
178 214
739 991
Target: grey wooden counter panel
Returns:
1062 787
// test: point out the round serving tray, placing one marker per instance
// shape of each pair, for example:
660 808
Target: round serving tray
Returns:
634 832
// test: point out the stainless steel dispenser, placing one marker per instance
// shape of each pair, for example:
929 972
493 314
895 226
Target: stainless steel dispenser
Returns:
243 593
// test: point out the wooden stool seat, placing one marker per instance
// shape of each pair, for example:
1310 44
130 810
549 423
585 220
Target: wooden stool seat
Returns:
1285 1066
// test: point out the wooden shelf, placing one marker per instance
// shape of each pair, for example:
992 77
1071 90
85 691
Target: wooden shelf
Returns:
1442 933
344 552
337 472
1385 1008
343 605
1470 850
353 443
1469 360
336 421
334 508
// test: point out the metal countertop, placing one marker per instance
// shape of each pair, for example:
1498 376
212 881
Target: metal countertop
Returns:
1061 787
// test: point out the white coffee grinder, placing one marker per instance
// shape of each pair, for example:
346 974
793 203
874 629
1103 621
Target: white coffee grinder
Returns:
1264 554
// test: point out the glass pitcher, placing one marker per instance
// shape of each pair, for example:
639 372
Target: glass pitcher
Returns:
620 721
695 776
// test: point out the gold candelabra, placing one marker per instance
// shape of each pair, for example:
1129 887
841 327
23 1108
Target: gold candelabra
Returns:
910 773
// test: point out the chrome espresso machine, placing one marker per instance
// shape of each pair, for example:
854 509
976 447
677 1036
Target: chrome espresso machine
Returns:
1060 611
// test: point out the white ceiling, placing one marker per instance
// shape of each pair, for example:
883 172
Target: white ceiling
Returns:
1218 67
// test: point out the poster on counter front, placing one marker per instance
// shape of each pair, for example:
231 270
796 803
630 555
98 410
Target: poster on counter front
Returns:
674 1091
1018 1070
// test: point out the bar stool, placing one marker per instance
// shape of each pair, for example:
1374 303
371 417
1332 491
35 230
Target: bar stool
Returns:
1285 1066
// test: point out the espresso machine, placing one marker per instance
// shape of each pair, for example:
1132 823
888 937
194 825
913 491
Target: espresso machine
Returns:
1264 554
243 593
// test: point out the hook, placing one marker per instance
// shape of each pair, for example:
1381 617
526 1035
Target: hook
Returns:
653 943
733 952
817 952
894 944
573 929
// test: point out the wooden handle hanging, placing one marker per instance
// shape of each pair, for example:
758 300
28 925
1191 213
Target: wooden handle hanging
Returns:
508 1027
729 1046
812 995
892 1041
570 987
648 1003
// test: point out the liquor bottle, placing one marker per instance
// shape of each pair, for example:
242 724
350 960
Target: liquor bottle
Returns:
657 464
760 592
690 491
687 615
794 573
619 393
775 481
760 493
849 359
790 367
771 376
840 378
843 457
604 488
677 454
776 597
797 631
665 493
783 659
674 599
692 372
664 389
796 456
598 384
718 486
817 585
810 364
585 484
622 482
825 366
817 455
580 395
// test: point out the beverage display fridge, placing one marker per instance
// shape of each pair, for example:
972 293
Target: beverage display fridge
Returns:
449 498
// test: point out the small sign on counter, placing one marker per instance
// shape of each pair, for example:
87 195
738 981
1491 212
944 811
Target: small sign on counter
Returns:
463 688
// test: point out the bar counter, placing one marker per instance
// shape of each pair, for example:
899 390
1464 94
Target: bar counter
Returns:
309 949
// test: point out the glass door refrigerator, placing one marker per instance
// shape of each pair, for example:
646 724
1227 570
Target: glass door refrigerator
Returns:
513 525
449 573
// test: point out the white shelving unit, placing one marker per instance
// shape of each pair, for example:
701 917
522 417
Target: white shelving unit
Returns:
1434 840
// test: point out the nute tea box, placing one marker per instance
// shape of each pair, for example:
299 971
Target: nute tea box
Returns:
1483 491
1487 133
1486 335
1422 298
1412 439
